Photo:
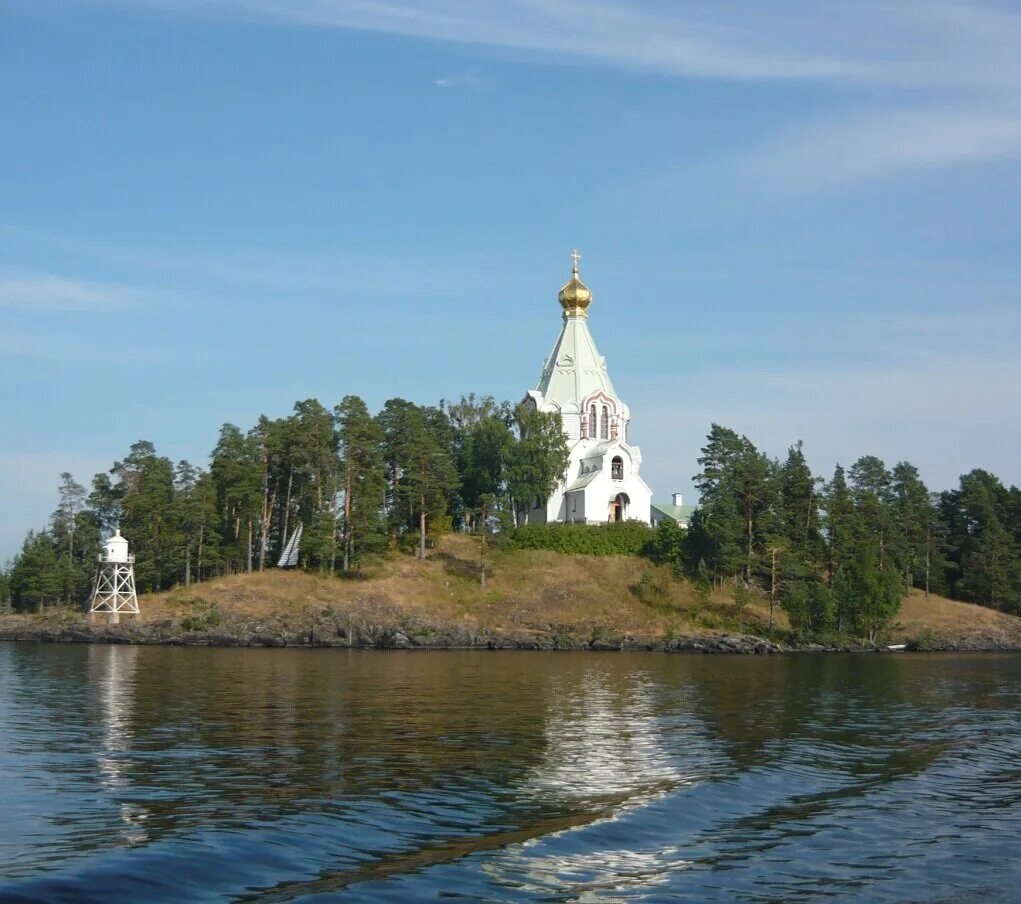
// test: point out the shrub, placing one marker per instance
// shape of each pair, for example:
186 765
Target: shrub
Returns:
654 588
202 621
626 538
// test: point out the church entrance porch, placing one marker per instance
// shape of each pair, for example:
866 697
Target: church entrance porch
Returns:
618 507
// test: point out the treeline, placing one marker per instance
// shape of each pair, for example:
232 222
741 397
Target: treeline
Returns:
837 554
840 554
358 484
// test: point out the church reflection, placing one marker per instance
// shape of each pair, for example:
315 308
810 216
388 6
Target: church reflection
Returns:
604 738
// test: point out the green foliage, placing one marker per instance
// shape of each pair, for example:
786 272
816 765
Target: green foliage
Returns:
210 617
837 557
924 641
363 482
655 588
625 538
702 585
537 462
36 578
667 545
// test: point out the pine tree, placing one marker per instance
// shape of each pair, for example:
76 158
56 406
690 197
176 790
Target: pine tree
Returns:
36 578
362 481
915 521
148 516
237 473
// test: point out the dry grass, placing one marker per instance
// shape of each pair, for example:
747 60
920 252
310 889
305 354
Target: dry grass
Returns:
535 591
527 591
938 618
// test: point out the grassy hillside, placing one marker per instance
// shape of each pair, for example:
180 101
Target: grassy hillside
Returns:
531 591
527 591
531 596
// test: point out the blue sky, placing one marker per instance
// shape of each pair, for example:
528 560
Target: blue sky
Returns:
799 219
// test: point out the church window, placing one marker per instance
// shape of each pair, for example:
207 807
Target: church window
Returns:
593 422
604 426
617 468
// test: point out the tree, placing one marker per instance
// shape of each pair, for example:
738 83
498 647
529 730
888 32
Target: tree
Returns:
195 516
841 526
482 440
363 480
798 519
872 491
737 491
418 449
148 516
980 524
35 576
537 462
914 517
236 470
487 504
668 545
76 539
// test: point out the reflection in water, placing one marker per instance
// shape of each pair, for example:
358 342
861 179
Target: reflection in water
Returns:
110 677
604 739
372 776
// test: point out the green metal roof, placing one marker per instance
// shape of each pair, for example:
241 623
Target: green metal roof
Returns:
679 513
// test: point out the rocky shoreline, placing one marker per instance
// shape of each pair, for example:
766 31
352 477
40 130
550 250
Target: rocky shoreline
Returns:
353 634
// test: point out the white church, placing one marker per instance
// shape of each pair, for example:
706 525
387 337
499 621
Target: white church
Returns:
602 482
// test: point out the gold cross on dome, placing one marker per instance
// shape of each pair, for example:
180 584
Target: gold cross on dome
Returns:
576 256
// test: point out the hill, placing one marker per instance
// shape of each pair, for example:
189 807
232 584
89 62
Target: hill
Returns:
533 599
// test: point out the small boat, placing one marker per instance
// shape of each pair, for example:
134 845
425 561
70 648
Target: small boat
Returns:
896 647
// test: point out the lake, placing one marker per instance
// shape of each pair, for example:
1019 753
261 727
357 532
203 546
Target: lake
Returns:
167 774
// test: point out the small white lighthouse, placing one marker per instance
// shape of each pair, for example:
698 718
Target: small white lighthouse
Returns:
115 582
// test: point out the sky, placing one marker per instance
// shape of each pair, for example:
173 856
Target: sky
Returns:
799 219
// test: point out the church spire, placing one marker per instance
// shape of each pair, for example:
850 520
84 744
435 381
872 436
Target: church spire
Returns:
575 296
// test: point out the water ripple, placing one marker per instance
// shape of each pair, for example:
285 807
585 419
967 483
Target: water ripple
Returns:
137 774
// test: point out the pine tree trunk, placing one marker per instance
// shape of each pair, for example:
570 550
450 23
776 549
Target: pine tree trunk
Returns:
928 559
249 545
202 531
421 528
347 513
264 520
287 502
187 563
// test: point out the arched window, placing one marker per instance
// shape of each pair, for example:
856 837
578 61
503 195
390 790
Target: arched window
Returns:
604 426
617 468
593 422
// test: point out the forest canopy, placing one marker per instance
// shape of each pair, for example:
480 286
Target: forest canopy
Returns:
836 552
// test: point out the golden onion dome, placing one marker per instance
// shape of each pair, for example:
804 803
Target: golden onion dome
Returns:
575 296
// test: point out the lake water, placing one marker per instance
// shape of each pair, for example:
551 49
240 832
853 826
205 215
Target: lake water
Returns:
161 774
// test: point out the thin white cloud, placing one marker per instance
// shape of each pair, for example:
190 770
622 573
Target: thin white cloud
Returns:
827 154
47 293
471 79
901 42
954 65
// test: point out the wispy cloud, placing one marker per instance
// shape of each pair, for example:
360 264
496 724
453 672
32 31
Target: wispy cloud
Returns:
47 293
903 42
950 68
828 154
472 79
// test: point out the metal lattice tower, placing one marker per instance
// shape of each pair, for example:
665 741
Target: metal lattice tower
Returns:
115 581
